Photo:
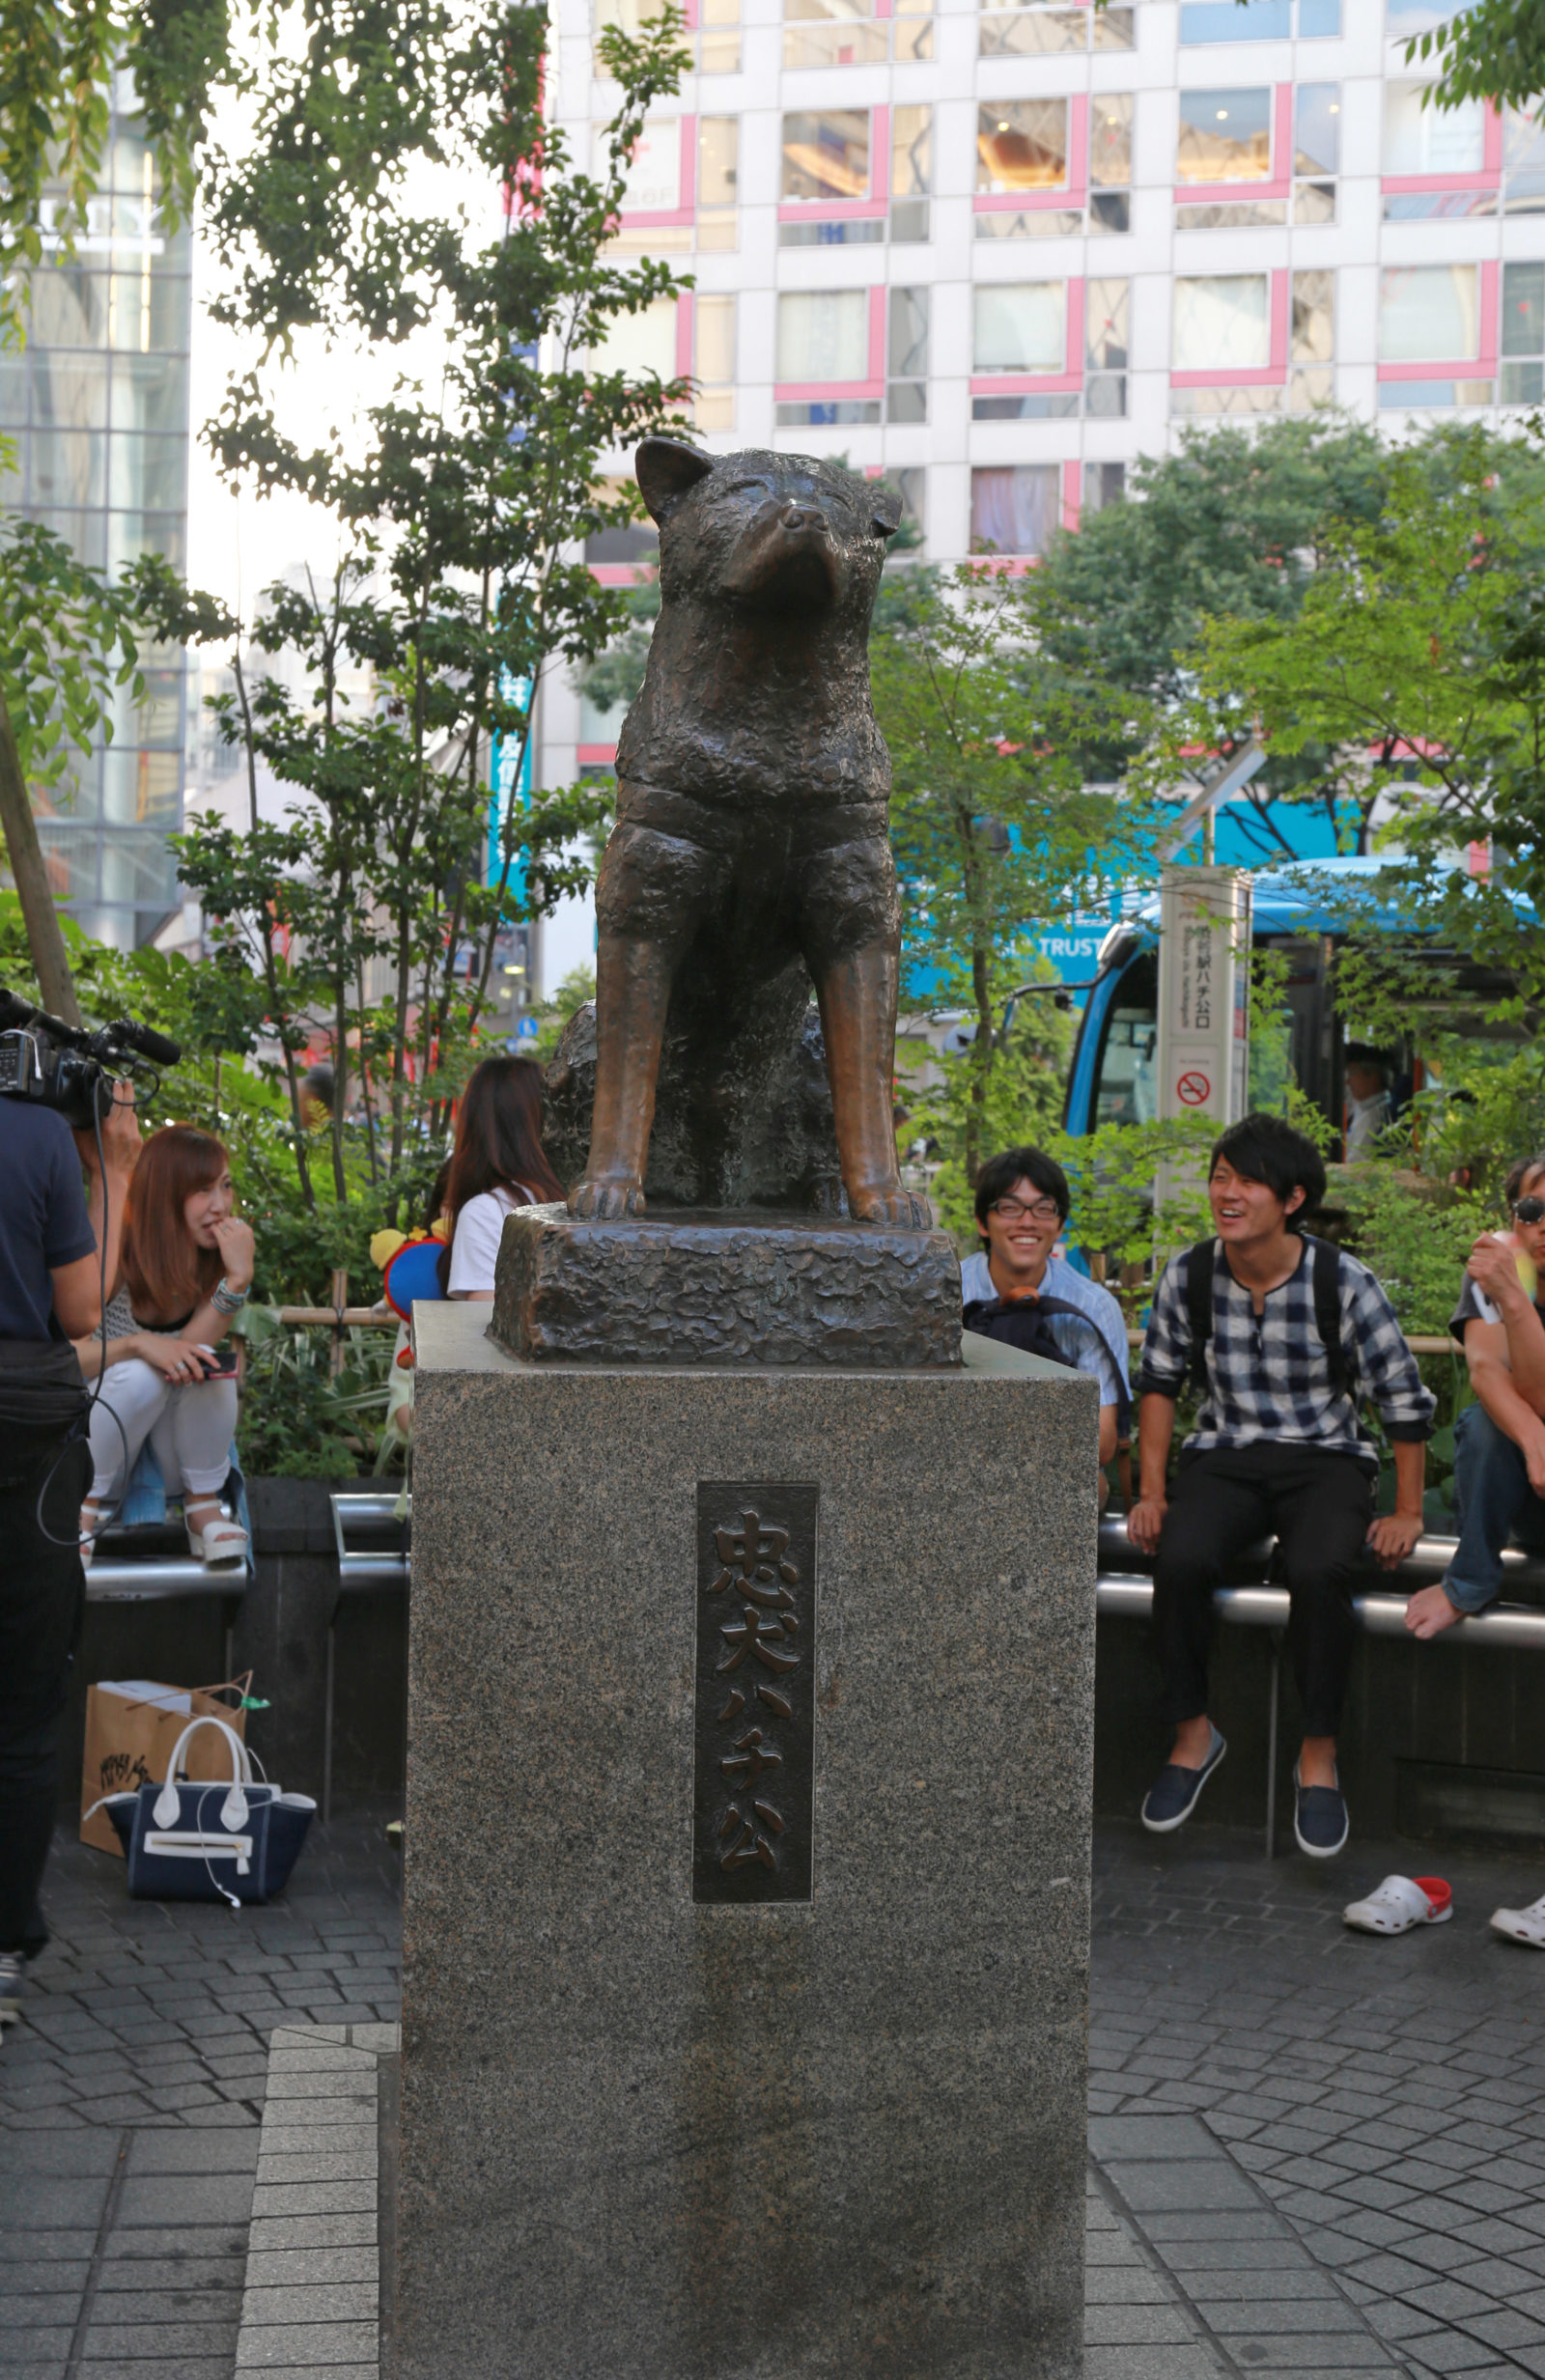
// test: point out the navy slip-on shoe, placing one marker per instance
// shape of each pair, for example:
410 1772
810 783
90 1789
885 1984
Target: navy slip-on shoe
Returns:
1320 1823
1173 1796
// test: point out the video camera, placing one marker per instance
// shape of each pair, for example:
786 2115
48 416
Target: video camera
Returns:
64 1067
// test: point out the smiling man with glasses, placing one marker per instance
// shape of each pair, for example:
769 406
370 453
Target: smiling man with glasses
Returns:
1016 1288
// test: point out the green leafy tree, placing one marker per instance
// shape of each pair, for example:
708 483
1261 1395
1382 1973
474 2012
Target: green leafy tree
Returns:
995 824
459 505
67 639
1491 49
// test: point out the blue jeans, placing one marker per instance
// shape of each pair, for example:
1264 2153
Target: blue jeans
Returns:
1496 1504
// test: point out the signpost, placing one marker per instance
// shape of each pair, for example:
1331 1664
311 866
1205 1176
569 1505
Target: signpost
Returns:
1203 992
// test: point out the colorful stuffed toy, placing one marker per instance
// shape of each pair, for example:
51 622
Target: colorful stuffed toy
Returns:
410 1262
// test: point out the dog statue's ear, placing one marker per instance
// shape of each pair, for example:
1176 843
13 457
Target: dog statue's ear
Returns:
666 470
885 509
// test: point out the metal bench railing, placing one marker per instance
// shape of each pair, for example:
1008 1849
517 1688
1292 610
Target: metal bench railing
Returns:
1125 1590
361 1570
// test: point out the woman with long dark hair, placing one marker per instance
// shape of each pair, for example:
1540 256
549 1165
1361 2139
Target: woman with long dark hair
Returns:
184 1269
498 1165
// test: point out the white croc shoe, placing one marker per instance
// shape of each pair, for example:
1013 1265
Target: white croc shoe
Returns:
1402 1902
1524 1925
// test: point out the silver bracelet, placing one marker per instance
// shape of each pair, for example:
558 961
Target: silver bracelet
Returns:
227 1300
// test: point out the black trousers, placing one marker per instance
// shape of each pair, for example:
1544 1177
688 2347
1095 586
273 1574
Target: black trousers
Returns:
43 1597
1318 1504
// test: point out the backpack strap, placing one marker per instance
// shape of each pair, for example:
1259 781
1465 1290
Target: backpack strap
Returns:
1200 1308
1326 1283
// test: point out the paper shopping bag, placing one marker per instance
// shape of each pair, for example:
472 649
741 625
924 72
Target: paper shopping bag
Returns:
131 1726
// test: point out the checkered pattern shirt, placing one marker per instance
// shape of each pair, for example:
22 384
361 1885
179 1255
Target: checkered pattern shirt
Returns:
1269 1375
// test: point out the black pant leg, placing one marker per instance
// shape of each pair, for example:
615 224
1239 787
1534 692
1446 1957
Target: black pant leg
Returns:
42 1591
1217 1508
1322 1505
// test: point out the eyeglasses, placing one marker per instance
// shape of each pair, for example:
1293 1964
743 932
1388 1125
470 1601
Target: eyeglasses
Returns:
1044 1211
1529 1211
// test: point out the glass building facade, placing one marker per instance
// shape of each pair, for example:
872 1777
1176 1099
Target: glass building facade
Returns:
96 406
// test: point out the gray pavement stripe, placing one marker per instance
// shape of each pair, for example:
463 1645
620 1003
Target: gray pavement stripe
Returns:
109 2216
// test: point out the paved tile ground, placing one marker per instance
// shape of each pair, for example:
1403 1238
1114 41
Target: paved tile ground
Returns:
131 2102
1312 2152
1332 2145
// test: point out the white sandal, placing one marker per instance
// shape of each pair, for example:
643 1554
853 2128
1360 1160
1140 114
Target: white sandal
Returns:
1526 1926
220 1541
1402 1902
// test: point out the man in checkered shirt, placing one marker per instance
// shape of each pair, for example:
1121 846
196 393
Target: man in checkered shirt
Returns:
1278 1450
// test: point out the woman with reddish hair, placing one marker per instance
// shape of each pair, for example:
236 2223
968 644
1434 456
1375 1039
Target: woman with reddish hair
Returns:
183 1274
498 1165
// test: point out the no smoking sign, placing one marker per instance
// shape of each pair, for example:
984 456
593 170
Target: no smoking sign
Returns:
1194 1088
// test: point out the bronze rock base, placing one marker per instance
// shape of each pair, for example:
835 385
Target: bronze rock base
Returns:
692 1286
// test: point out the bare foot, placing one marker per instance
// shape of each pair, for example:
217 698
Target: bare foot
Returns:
1429 1612
1194 1741
887 1202
1316 1761
605 1200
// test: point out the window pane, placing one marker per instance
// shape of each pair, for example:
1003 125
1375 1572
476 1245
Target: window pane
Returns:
1404 18
1317 129
68 308
1419 140
1105 325
911 152
150 392
1313 318
1429 311
1022 145
1014 510
71 391
1523 309
1223 322
1222 20
64 466
1525 142
714 336
1104 483
909 335
1319 21
914 490
718 148
826 154
1110 140
1020 326
654 178
1225 136
824 335
148 474
638 344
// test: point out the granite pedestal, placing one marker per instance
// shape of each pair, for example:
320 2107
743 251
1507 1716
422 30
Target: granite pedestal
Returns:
650 2132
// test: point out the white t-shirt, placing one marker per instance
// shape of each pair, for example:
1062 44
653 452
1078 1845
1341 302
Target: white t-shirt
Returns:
479 1229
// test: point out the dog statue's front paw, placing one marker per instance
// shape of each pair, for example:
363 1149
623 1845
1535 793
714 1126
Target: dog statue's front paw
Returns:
606 1199
889 1203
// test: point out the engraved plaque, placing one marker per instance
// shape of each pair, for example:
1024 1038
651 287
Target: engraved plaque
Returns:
754 1732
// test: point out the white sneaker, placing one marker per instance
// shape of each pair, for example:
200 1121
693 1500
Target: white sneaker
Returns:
1526 1926
13 1968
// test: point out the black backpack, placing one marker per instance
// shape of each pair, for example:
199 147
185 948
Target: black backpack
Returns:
1327 1289
1021 1322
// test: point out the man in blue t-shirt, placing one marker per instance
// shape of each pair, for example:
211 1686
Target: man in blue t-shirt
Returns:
50 1293
1021 1204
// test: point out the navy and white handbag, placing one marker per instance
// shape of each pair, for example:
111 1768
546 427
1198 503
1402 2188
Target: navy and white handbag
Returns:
209 1841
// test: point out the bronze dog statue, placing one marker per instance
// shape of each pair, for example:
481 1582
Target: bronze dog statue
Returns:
750 841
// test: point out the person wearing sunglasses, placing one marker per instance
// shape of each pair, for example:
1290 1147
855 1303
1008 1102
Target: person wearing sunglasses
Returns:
1499 1441
1017 1289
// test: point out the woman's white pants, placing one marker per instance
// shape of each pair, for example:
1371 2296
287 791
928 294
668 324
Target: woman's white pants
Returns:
189 1424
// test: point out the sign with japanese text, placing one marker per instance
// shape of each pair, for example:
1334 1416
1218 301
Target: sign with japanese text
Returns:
754 1712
